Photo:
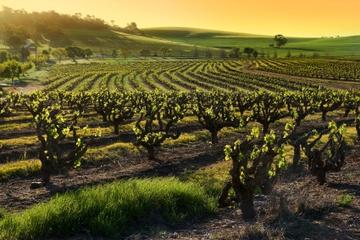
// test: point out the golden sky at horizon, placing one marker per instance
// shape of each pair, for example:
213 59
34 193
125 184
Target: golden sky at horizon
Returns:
289 17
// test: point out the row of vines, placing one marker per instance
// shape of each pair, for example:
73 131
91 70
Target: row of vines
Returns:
257 158
165 76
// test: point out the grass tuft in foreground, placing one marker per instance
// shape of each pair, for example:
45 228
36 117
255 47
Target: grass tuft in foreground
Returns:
109 210
19 168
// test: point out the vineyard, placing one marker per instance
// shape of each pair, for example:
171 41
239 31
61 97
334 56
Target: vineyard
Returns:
105 147
319 68
165 76
202 75
66 130
179 120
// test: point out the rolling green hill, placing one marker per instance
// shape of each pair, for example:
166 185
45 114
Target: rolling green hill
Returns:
211 38
184 40
56 30
332 46
180 32
106 40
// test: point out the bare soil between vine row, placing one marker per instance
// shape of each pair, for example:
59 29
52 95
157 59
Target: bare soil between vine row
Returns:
311 211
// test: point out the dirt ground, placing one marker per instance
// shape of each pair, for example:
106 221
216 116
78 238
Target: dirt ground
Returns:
298 208
16 194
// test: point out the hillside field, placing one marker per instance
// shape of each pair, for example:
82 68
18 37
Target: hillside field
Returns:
342 46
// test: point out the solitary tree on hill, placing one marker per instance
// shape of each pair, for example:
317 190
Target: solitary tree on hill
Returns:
280 40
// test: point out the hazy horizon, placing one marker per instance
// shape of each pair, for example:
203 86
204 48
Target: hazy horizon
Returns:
299 19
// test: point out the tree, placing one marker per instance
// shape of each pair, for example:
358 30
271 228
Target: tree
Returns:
4 56
15 37
145 53
165 51
12 70
39 60
255 54
71 52
208 53
133 28
125 53
59 54
74 52
249 51
88 53
114 53
222 54
25 67
24 54
234 53
280 40
45 52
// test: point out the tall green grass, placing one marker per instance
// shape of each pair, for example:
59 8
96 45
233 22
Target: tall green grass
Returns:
110 210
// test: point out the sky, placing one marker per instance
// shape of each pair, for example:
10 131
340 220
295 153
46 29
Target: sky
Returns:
302 18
